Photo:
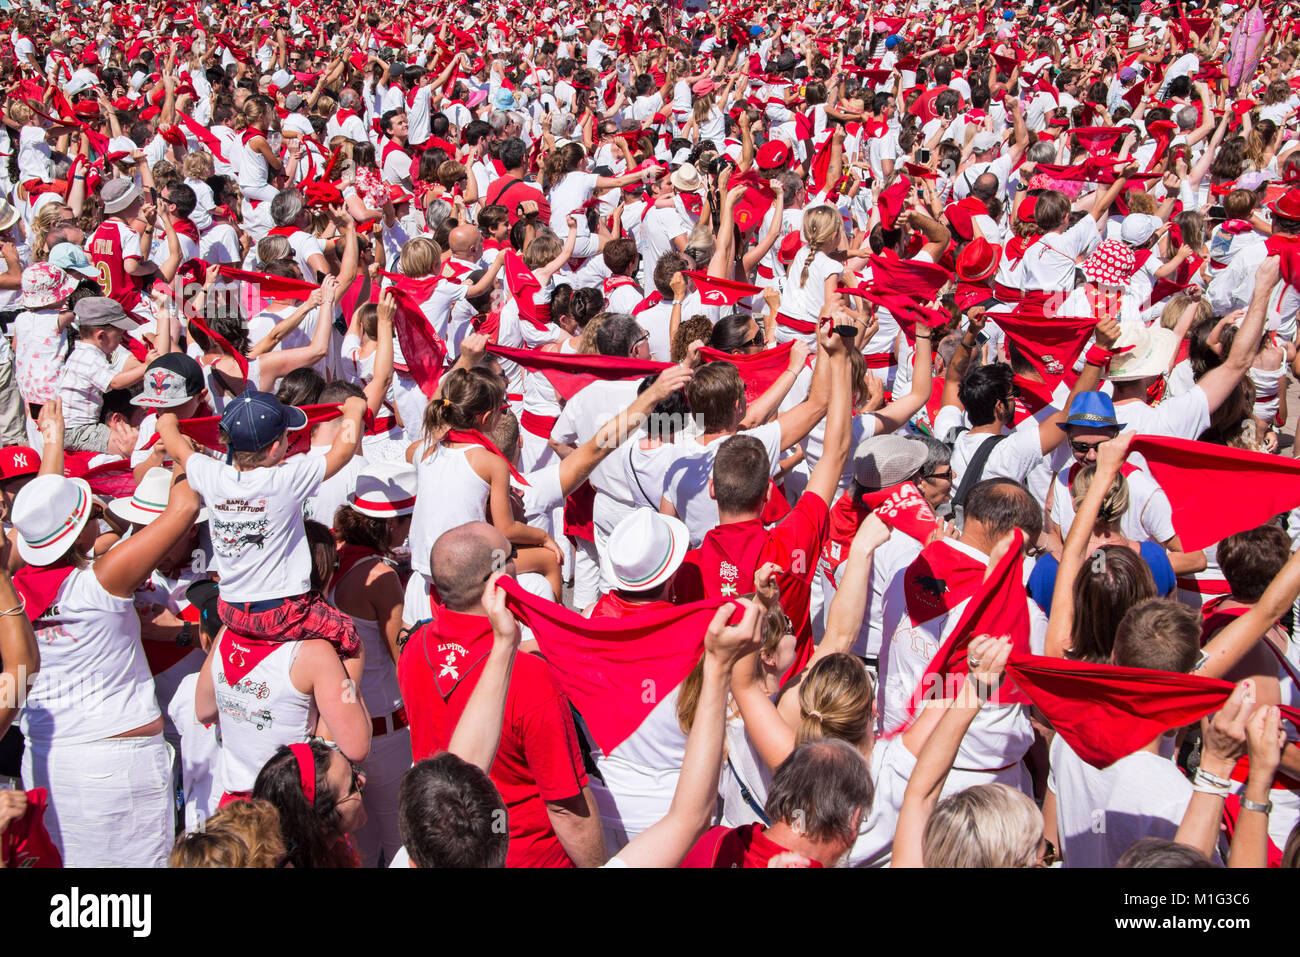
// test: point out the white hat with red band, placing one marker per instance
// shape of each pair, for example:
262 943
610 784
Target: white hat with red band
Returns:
385 490
645 549
48 514
149 499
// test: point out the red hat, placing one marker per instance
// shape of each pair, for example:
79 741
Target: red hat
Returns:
18 460
978 260
790 245
1025 211
86 109
774 154
1288 206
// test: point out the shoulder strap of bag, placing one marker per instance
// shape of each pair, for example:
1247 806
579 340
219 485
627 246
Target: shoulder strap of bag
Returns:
975 469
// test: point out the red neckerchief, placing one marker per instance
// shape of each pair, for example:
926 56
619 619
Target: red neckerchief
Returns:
1235 227
38 587
240 654
342 115
648 302
250 133
940 579
613 605
350 556
903 507
475 437
618 282
1034 397
285 231
186 228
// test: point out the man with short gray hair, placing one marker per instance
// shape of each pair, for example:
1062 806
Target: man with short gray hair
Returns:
289 212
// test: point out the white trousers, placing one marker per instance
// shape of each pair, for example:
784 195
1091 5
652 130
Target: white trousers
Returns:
389 759
111 801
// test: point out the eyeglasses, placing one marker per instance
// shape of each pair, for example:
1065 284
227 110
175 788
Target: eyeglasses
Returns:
1083 448
939 476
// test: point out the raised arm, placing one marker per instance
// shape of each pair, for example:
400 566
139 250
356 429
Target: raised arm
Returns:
666 842
126 566
478 731
988 659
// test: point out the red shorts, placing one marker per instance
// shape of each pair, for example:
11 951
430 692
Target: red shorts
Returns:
294 619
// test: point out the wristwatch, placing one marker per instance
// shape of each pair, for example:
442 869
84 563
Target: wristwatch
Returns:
185 637
1248 805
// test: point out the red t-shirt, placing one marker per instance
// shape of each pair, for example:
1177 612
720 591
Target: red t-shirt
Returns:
25 842
746 846
109 248
730 555
538 760
510 191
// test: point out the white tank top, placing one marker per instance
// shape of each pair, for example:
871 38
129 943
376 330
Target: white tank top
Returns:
253 172
379 688
94 681
448 493
216 396
261 712
540 396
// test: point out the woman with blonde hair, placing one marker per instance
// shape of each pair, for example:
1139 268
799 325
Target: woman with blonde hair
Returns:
50 217
259 161
813 274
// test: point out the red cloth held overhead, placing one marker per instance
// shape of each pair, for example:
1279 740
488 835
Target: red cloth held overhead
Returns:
1050 344
569 374
908 277
1106 712
206 429
422 348
758 370
716 291
999 608
272 287
1217 491
222 343
607 665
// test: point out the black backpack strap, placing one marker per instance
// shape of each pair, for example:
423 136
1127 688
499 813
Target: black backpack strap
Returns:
975 469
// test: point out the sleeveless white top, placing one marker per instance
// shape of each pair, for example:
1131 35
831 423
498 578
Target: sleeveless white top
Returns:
261 712
379 688
94 681
448 493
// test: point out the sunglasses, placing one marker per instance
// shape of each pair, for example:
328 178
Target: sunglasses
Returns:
1083 448
756 341
939 476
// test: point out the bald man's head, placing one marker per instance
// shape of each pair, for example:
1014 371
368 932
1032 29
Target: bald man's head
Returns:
464 241
463 558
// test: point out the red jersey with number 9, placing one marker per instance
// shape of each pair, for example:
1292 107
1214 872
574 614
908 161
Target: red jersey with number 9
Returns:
109 248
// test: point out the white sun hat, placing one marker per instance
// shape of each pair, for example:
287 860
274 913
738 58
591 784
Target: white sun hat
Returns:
48 514
644 550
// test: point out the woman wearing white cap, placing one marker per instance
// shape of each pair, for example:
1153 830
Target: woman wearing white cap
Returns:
92 723
377 519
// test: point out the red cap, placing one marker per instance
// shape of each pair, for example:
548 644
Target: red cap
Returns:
773 154
17 460
1025 211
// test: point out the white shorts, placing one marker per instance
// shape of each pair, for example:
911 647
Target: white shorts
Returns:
111 801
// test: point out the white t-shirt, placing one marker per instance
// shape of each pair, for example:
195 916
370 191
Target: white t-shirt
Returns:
687 480
804 300
1182 417
567 196
1101 813
1049 263
255 518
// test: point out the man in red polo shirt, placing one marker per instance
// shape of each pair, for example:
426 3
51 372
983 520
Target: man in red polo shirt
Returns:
538 768
734 550
816 801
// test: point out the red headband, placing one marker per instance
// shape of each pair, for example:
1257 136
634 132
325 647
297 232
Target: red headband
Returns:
306 759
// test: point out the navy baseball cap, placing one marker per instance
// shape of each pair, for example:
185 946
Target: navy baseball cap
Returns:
256 419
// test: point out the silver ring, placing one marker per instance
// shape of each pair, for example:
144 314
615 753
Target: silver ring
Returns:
974 662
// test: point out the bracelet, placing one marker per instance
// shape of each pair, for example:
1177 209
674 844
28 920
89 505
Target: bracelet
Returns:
18 609
1248 805
1204 780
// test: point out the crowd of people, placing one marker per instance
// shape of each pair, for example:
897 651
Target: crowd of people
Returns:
594 433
